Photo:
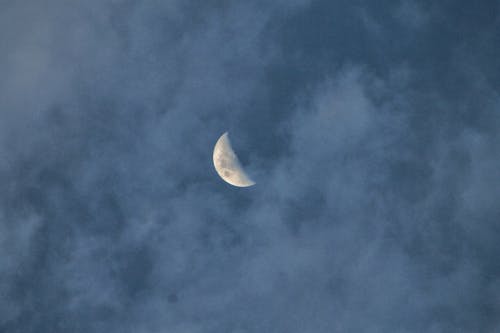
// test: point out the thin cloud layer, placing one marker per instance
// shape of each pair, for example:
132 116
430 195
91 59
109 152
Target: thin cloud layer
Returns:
372 131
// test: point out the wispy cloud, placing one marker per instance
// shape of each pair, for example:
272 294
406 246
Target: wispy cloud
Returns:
375 206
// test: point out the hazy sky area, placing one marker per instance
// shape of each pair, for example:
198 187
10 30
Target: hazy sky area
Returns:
372 129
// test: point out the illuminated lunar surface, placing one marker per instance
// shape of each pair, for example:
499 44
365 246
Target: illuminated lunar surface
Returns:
227 164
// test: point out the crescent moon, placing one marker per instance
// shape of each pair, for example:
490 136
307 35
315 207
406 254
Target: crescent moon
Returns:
227 165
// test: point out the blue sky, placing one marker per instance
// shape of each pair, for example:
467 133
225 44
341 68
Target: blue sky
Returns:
372 130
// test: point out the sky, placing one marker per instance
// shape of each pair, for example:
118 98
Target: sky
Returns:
371 128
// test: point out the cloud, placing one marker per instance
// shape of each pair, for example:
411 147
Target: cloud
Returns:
374 209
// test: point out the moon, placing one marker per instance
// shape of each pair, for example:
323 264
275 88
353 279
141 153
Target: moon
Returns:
227 165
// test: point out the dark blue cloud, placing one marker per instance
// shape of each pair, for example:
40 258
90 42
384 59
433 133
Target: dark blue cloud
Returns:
372 131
